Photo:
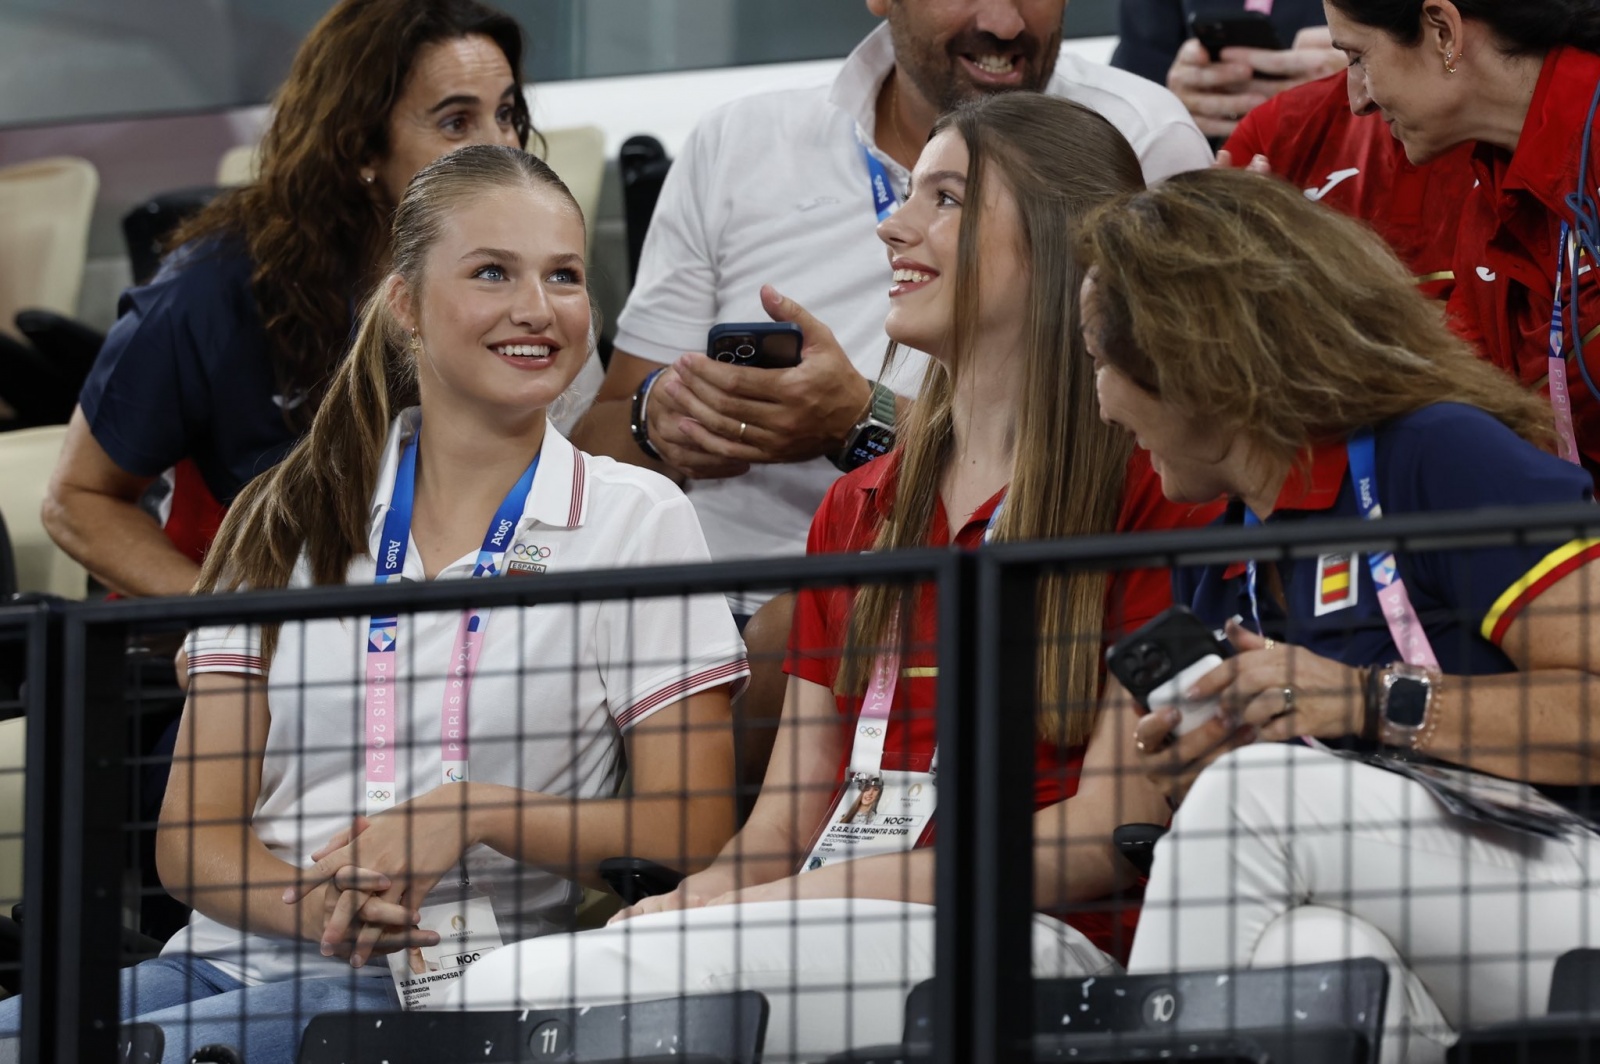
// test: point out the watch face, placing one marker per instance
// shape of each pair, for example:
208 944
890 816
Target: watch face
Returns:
874 441
1407 703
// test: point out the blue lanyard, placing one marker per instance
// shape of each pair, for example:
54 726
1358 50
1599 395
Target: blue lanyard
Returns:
383 637
884 200
397 523
1405 627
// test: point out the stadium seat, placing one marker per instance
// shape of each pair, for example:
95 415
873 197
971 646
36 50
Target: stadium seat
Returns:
643 164
145 229
578 156
1570 1034
1329 1013
45 208
704 1029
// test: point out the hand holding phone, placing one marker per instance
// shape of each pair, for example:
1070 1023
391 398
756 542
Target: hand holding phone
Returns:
1161 660
1234 29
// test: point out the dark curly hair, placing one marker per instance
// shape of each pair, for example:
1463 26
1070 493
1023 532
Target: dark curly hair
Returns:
313 231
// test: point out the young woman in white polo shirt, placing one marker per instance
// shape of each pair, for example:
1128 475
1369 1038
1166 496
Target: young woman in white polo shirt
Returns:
477 808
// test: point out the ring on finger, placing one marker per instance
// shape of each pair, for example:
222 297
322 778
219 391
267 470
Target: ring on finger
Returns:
742 427
1288 699
1270 644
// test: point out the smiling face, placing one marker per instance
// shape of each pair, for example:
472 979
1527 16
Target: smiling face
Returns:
1427 108
502 315
924 241
954 49
1185 452
458 92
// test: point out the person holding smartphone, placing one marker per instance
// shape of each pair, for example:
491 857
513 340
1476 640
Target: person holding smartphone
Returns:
1478 664
982 271
1158 41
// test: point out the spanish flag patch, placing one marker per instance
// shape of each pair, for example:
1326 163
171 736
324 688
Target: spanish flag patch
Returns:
1336 583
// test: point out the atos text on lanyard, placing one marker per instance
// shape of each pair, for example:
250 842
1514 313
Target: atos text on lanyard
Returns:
383 636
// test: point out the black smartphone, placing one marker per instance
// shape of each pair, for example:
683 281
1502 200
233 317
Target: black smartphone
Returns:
1157 663
764 344
1234 29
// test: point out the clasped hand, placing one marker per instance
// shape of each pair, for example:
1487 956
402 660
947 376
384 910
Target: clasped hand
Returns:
1267 694
374 877
708 419
1218 93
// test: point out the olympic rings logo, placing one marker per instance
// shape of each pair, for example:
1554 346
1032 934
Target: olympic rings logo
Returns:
532 552
870 731
379 796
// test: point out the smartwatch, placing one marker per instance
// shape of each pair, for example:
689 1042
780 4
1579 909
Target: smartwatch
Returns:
637 424
1403 696
873 436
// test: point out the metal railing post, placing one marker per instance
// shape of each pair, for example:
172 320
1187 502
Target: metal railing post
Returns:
41 844
94 791
955 948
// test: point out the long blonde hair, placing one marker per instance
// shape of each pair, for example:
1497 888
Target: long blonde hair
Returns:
1059 160
1252 309
318 499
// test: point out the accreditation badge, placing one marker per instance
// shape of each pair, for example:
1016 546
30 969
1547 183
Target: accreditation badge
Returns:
468 932
880 812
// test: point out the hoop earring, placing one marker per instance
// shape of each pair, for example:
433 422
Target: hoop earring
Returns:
1450 62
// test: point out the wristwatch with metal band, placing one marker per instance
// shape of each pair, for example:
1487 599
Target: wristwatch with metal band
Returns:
873 436
1404 697
637 423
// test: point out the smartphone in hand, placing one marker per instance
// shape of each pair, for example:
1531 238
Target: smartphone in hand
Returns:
763 344
1160 661
1234 29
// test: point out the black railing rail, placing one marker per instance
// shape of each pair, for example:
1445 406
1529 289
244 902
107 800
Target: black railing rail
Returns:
76 693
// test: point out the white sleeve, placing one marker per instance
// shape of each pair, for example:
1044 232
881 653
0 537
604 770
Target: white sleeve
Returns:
674 300
234 649
1173 148
657 651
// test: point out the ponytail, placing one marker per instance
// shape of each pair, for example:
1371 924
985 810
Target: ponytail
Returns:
317 501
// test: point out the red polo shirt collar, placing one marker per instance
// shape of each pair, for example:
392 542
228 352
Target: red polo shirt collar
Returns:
1545 163
1309 487
878 479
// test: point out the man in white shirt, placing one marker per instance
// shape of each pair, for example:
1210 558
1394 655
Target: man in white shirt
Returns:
785 189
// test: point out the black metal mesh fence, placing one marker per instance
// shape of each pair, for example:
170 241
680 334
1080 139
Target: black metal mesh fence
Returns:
445 808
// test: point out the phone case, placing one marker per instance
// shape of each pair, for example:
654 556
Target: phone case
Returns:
1234 29
763 344
1161 650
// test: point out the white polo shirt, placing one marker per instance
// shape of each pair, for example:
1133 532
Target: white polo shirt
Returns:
556 688
772 189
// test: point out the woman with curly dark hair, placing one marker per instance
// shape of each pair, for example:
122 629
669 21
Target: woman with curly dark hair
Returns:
223 358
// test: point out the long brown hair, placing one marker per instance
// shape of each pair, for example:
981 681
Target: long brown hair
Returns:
313 231
1252 309
1059 160
318 499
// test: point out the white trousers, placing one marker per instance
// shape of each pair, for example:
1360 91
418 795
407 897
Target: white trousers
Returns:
835 972
1283 854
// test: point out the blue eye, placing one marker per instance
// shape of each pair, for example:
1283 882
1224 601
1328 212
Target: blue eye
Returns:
567 275
489 273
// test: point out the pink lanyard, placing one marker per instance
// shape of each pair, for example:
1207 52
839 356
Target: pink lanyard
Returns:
383 636
872 724
1263 7
1560 398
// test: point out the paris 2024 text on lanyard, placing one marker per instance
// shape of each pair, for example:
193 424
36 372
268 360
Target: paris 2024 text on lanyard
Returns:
465 923
876 811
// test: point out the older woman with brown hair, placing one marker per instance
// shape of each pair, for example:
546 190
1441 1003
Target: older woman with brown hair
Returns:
223 358
1269 351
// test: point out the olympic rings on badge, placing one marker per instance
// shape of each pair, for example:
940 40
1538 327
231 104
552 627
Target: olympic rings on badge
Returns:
870 731
530 551
379 796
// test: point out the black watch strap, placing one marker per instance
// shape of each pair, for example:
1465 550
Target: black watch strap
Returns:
638 423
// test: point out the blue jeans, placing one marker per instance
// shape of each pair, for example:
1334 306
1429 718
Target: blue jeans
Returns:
195 1004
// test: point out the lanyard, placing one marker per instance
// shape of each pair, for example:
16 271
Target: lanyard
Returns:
884 200
1405 627
383 635
1560 399
872 726
1263 7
